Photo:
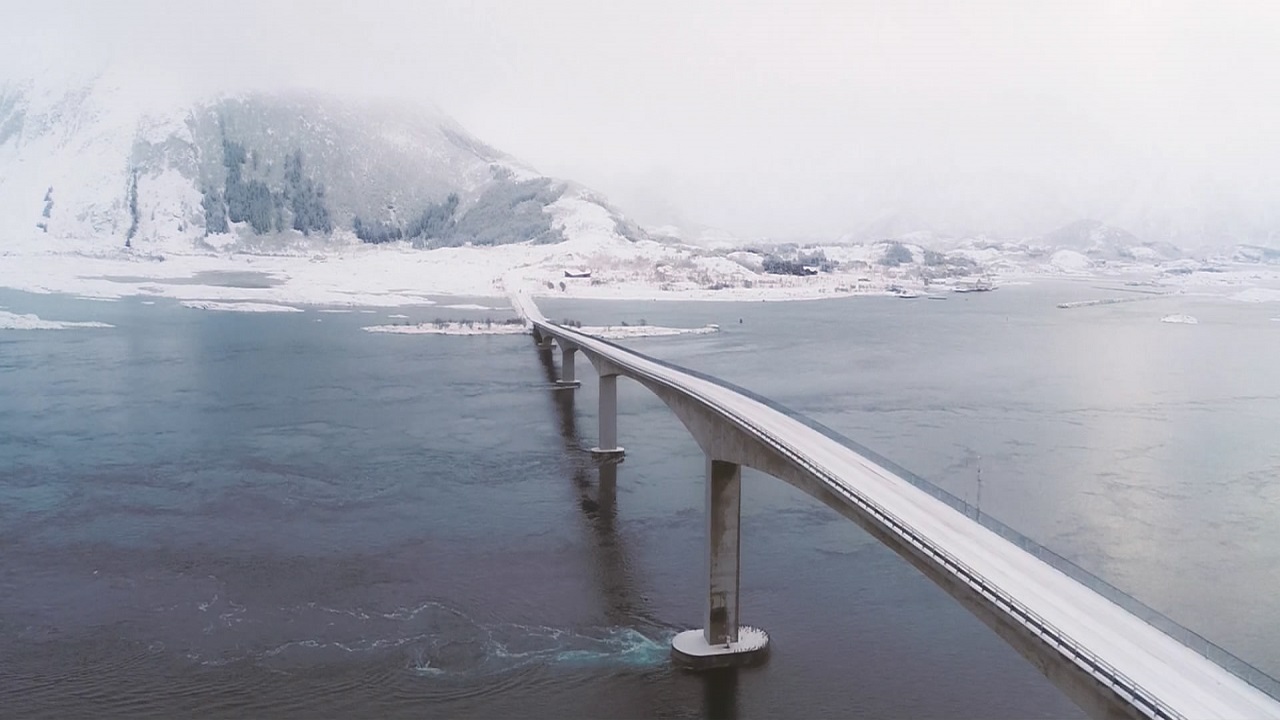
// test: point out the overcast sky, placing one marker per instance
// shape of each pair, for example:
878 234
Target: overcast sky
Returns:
785 119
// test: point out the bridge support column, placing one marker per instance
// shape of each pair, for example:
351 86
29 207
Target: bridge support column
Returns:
608 418
566 368
722 642
542 341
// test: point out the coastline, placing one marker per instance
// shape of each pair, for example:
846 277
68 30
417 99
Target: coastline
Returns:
390 277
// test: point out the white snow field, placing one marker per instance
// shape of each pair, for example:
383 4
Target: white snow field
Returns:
1074 620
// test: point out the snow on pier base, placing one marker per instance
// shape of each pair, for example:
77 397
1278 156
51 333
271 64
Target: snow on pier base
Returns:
689 649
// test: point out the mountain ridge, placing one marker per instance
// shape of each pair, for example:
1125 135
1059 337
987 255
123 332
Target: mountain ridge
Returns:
98 163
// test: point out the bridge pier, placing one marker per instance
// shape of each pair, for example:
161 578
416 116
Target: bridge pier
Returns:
567 353
608 418
722 642
1109 660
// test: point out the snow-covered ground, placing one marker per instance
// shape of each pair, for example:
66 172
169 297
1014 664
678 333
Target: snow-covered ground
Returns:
350 273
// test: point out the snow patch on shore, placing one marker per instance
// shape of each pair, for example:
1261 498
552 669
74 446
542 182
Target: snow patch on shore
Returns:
14 321
604 332
1103 301
623 332
238 306
450 328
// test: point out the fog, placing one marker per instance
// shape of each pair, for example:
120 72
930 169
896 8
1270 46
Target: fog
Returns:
800 120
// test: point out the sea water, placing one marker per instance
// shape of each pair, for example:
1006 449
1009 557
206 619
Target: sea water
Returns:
242 514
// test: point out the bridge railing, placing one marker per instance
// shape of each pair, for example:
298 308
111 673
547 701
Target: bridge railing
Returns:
1193 640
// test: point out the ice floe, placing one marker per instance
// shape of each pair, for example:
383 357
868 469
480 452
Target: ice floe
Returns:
15 321
450 328
238 306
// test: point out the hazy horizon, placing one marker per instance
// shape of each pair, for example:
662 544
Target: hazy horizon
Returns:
814 120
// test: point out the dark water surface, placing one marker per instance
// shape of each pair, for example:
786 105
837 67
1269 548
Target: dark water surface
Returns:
230 515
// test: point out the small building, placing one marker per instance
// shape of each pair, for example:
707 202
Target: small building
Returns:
577 273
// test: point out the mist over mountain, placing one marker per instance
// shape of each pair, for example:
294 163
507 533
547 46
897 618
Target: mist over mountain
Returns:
99 160
1188 211
116 157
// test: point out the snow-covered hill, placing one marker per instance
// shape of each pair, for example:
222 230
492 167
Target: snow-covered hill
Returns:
97 163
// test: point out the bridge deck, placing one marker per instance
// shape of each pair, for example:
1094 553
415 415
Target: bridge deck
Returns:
1172 679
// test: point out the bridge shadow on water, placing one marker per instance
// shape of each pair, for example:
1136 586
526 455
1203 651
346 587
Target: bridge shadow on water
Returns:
598 503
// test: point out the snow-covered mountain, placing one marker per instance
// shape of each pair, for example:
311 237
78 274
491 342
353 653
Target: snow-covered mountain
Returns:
103 162
110 187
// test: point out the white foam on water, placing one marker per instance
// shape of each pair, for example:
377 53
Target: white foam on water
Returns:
436 640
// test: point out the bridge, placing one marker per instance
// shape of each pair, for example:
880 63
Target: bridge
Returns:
1106 657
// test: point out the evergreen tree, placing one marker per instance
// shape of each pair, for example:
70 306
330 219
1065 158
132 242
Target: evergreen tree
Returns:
259 206
133 209
306 199
215 212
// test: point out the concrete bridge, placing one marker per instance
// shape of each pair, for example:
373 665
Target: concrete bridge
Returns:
1105 657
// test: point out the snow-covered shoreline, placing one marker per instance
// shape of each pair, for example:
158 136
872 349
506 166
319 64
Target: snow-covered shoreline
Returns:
353 274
